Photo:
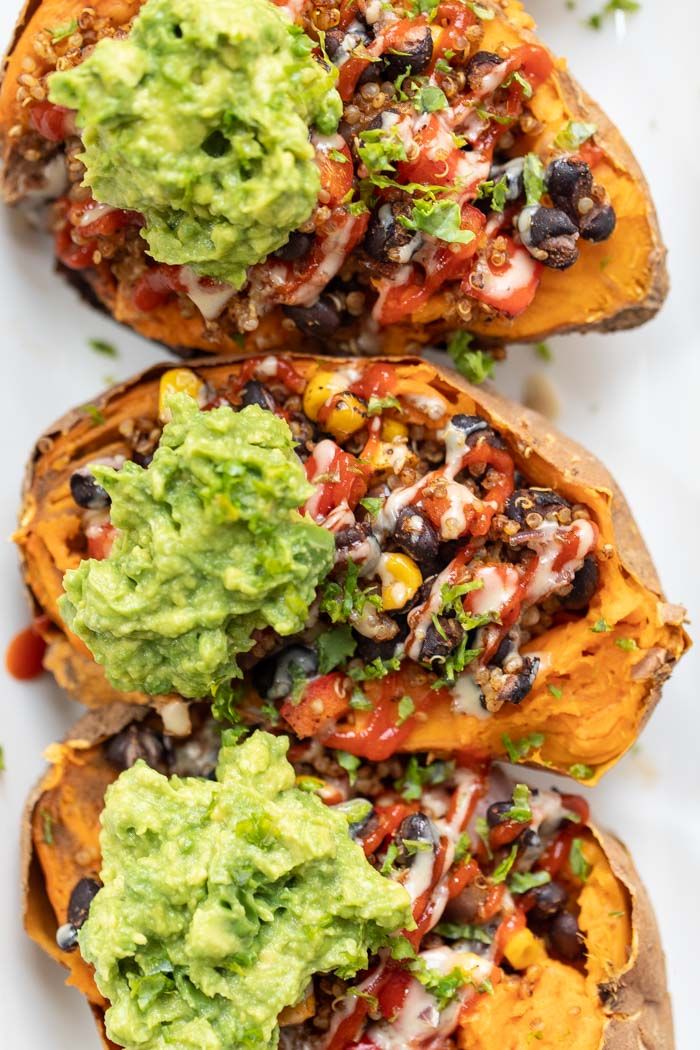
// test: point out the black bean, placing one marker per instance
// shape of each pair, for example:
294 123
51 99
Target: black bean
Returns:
517 686
298 245
531 849
522 502
361 828
67 937
86 492
274 677
507 647
477 429
566 936
550 899
496 813
479 66
138 741
438 644
254 393
465 907
142 458
80 900
598 223
412 56
567 181
368 649
322 318
415 828
416 536
549 235
332 41
387 239
584 586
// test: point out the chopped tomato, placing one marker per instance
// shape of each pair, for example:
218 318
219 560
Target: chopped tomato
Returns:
100 539
453 19
534 62
285 372
378 380
461 876
154 287
336 175
590 154
437 159
324 699
509 288
74 256
506 931
492 903
342 480
106 222
52 122
335 240
505 833
392 995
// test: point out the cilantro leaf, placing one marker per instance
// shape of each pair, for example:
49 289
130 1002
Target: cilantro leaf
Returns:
360 702
496 191
580 771
462 847
520 811
463 932
391 854
502 870
601 626
334 647
474 365
350 763
65 30
596 21
372 504
380 148
340 601
580 867
522 881
533 178
376 405
441 219
627 644
405 710
429 99
574 134
416 777
376 668
101 346
517 750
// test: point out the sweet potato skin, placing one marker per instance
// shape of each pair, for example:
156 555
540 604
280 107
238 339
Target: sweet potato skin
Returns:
588 667
618 284
620 1003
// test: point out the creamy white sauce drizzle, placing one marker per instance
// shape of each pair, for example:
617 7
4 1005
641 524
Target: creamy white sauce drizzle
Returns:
209 297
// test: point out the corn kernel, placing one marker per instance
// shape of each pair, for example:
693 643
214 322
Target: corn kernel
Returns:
320 389
347 416
524 949
400 578
393 428
174 381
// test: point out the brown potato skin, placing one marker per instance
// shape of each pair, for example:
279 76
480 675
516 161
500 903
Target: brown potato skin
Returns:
615 285
48 519
634 1001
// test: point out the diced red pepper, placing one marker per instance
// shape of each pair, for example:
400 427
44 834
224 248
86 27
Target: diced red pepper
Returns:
52 122
324 699
100 539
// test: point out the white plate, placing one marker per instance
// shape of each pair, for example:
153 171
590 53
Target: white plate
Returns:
633 398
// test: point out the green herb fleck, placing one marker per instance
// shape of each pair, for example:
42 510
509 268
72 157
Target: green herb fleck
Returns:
597 20
544 352
628 644
429 99
522 881
47 827
63 31
334 647
474 365
376 405
416 777
377 668
372 504
580 771
601 626
391 855
517 750
405 710
555 690
463 932
95 414
336 155
359 701
577 862
502 870
574 134
533 178
520 811
350 763
441 219
101 346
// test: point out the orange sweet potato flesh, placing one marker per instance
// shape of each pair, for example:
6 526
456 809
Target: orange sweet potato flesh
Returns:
617 1001
618 284
604 692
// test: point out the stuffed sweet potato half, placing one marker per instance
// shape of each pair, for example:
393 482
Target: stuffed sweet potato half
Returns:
488 589
469 183
530 924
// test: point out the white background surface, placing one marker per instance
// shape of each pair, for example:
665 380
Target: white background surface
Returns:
633 398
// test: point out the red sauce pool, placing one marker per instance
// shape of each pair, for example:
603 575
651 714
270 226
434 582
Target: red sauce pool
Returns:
25 654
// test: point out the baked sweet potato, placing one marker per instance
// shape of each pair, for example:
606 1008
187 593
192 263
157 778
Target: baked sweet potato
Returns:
585 968
370 297
563 676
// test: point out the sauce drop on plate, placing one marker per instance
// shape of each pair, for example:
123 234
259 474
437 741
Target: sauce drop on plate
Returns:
25 654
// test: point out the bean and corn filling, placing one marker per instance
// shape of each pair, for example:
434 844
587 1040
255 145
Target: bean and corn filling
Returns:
447 559
494 870
427 187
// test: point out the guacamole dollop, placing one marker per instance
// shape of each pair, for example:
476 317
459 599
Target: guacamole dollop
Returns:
210 547
222 898
200 120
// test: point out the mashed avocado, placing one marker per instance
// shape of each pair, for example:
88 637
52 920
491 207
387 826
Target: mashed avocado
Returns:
200 121
210 548
222 898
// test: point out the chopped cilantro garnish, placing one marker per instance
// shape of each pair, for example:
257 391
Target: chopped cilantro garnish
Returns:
520 811
2 759
391 855
65 30
522 881
577 862
339 601
442 986
424 7
270 712
226 698
601 626
377 668
533 178
474 365
442 66
47 827
580 771
372 504
401 948
380 148
517 78
555 690
370 999
502 870
462 847
376 405
455 663
486 115
496 191
517 750
101 346
413 846
95 414
482 829
429 99
441 219
334 647
450 596
405 710
350 763
360 702
596 21
628 644
336 155
463 932
574 134
416 777
484 13
544 352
